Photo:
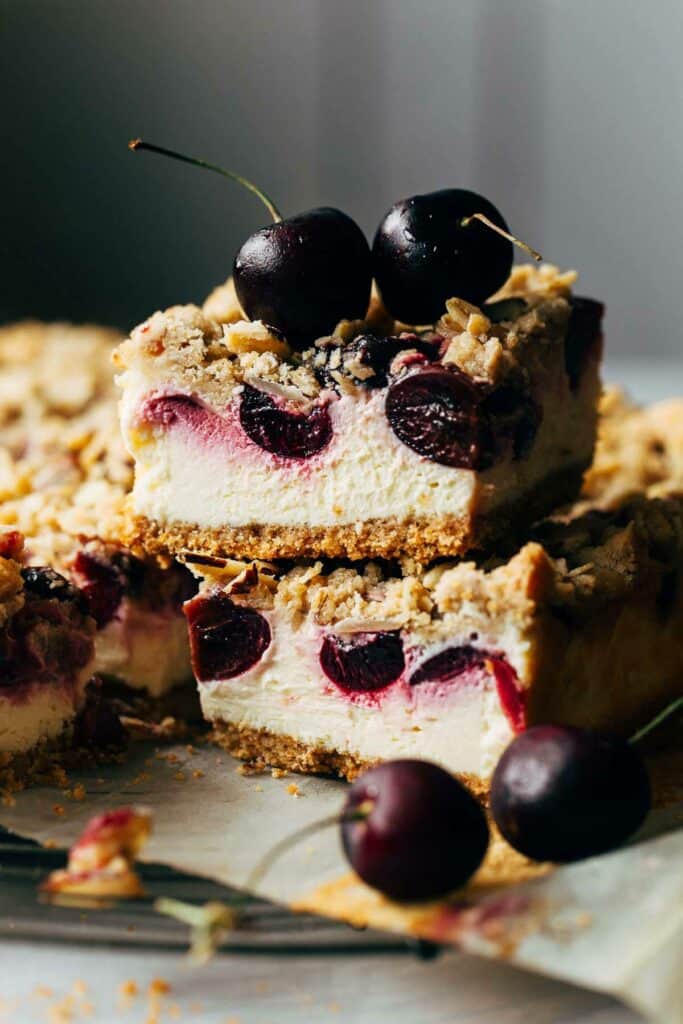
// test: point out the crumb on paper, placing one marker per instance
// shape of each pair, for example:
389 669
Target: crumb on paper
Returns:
59 810
198 774
158 986
79 987
258 788
179 776
294 790
43 992
8 800
50 844
128 990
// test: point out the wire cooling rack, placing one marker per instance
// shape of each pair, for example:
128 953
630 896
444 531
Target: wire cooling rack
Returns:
263 927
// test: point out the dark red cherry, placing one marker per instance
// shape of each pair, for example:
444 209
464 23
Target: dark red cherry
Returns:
562 794
584 334
365 360
283 431
41 581
426 250
448 665
102 582
436 412
226 638
362 662
304 274
411 830
98 726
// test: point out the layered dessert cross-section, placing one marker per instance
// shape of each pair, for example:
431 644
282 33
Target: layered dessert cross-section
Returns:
47 655
380 440
64 474
328 668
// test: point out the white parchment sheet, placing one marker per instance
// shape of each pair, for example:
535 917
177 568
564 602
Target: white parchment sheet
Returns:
613 923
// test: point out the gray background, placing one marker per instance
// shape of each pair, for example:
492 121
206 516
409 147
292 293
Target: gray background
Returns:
567 115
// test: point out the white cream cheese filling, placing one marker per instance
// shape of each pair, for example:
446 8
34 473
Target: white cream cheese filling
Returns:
148 650
41 715
287 694
361 475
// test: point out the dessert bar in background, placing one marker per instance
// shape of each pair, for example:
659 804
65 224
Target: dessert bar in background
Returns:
639 450
63 476
381 440
331 667
48 654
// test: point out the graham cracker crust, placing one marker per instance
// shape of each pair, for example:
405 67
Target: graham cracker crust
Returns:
423 538
264 749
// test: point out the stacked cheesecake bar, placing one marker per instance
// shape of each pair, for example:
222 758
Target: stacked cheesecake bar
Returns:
361 518
63 476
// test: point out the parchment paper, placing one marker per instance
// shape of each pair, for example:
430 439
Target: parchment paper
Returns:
613 923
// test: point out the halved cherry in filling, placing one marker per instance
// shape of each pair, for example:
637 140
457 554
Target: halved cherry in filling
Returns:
446 417
226 638
450 665
291 434
362 662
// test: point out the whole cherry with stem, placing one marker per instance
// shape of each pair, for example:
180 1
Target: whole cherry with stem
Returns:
447 244
300 275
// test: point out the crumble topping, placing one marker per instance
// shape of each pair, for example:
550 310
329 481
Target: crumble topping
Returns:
212 351
64 471
638 450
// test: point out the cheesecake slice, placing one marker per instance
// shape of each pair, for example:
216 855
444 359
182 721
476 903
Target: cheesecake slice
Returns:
64 474
382 440
47 655
332 667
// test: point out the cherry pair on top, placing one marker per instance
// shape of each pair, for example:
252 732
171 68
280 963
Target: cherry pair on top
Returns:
301 275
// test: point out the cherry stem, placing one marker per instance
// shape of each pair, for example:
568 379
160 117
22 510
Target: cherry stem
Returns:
138 144
280 848
669 710
466 221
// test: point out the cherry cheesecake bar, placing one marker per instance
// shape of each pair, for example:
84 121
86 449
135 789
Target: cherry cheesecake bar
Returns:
64 474
380 440
330 667
47 655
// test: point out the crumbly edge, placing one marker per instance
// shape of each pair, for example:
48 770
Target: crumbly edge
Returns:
639 450
48 763
422 538
64 470
265 749
209 353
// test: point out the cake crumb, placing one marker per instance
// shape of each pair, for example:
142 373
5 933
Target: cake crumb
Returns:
50 844
198 774
78 792
279 773
8 800
294 790
191 750
179 776
59 810
158 986
43 992
128 990
79 987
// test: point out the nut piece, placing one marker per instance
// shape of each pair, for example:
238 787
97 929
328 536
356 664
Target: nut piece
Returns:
101 862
